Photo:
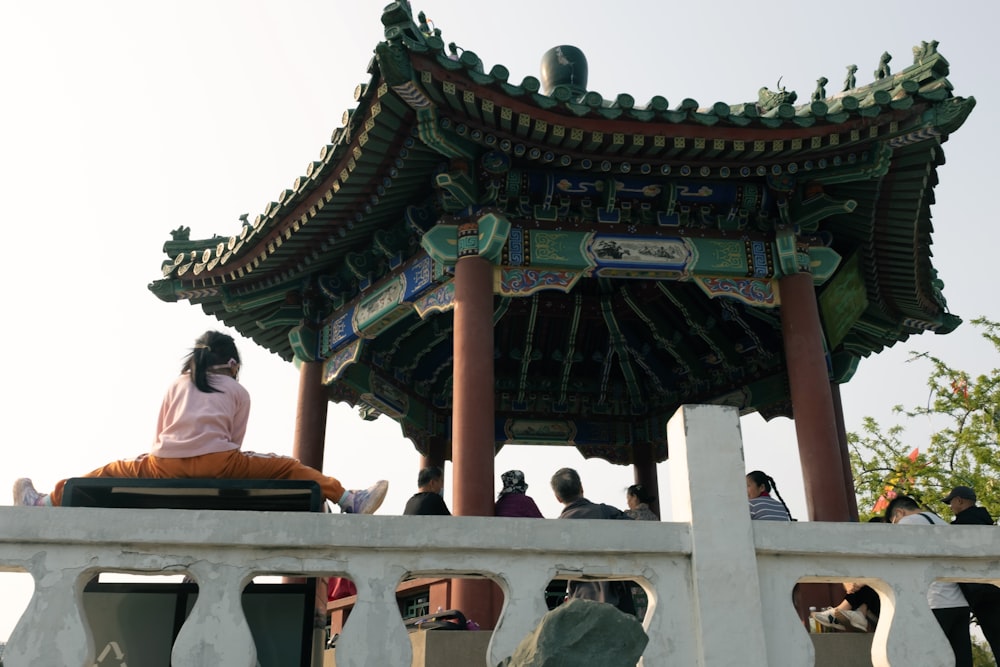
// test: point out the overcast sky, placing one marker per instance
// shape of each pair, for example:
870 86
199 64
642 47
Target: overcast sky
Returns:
124 120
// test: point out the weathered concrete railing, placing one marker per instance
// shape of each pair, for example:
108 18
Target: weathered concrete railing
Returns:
719 586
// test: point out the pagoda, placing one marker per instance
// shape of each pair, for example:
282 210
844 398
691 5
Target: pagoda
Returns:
490 262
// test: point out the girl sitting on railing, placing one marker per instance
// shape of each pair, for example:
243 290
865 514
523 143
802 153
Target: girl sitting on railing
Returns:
199 434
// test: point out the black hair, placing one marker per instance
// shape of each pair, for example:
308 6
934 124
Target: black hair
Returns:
428 475
898 503
212 349
567 485
763 479
641 493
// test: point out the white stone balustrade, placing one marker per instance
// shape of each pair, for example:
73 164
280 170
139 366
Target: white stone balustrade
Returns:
719 585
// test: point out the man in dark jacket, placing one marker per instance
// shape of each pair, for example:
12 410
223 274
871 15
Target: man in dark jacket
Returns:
984 599
962 501
427 499
569 491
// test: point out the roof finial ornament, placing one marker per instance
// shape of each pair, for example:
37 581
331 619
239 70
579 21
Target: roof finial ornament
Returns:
423 24
850 81
182 233
564 67
767 100
924 50
883 66
453 51
820 92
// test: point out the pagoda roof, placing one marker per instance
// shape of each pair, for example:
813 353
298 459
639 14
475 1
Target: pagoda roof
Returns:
618 346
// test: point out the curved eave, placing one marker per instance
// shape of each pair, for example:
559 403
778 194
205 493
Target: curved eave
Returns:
892 229
371 171
366 170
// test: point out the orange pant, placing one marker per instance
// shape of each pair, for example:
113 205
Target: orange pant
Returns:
234 464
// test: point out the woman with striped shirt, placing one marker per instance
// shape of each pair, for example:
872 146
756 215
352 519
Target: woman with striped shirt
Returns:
762 506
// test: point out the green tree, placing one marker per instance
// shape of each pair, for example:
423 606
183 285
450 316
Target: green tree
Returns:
981 656
963 452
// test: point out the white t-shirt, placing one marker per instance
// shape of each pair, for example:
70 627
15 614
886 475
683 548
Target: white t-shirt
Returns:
940 594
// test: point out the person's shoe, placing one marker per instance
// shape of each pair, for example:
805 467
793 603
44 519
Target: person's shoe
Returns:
828 619
25 494
366 501
853 621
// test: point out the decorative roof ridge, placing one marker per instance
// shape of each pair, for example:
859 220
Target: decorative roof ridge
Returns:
772 109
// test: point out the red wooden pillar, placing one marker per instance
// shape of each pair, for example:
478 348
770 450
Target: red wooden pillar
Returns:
812 401
435 456
308 445
845 452
644 472
310 416
473 418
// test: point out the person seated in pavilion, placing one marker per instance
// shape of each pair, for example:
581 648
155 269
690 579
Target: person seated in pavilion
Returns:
513 500
763 507
427 500
568 490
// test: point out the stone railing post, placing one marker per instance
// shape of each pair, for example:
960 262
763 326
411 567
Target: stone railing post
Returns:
523 586
374 634
673 626
63 637
707 481
905 620
216 632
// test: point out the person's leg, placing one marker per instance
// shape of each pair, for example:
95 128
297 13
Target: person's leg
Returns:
864 601
987 612
828 618
868 596
237 464
249 465
954 621
852 619
141 466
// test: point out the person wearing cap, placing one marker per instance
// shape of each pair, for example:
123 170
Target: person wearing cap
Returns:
984 599
962 501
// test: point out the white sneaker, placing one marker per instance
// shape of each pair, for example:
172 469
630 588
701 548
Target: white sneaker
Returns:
366 501
853 621
25 494
828 619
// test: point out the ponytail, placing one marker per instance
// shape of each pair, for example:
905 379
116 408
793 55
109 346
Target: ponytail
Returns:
212 350
761 478
774 486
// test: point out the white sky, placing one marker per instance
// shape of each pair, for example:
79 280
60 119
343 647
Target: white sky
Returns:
122 120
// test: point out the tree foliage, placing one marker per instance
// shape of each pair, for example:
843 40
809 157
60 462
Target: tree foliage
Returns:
981 655
966 451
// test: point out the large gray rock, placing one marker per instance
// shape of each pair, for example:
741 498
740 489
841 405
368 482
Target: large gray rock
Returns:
582 633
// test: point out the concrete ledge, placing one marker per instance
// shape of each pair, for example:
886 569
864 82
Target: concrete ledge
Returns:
440 648
843 649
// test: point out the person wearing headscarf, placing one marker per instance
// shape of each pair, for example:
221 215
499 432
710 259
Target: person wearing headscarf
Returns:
513 500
